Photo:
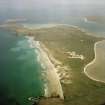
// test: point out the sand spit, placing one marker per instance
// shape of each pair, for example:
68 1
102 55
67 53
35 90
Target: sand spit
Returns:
92 62
53 86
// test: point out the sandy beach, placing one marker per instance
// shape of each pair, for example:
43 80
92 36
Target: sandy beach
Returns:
53 86
92 62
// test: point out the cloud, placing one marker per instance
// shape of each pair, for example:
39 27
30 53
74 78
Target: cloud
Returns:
52 4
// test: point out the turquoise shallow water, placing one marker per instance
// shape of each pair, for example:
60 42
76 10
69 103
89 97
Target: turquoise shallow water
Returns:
20 72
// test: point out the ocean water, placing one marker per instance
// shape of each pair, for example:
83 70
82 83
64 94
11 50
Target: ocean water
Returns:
20 72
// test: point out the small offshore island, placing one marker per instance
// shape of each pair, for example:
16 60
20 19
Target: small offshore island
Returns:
66 50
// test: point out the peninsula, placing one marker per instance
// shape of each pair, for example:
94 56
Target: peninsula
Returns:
69 50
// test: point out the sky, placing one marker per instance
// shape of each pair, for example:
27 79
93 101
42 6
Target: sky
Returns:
28 4
71 6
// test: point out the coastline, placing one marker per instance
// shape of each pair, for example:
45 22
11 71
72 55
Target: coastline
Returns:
53 86
47 26
86 20
41 26
92 62
43 49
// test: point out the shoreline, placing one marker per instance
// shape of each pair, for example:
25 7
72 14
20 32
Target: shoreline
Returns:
53 86
51 25
92 62
47 26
